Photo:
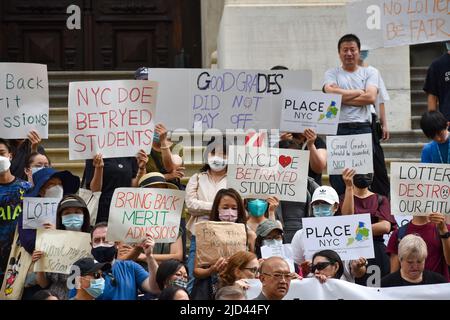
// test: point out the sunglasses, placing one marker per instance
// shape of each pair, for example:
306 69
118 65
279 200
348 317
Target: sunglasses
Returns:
320 266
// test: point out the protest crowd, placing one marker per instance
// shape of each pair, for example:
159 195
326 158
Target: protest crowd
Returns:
131 228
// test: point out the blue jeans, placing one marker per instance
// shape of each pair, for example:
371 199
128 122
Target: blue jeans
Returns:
190 264
347 129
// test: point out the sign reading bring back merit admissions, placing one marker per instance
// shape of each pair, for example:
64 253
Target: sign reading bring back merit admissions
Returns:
420 188
266 172
114 118
134 212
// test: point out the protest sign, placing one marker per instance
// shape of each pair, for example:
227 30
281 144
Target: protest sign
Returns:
313 110
389 23
334 289
114 118
352 151
218 239
38 211
420 188
283 250
266 172
350 236
23 100
61 249
135 212
224 99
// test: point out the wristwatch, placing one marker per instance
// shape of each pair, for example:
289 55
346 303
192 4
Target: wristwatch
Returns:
445 235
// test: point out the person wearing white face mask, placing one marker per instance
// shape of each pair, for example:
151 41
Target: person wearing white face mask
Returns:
269 233
201 191
72 214
325 203
12 190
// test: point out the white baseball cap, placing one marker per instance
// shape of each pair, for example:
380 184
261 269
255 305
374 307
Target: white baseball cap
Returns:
325 193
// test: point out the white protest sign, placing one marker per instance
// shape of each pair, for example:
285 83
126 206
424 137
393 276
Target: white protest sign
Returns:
23 100
350 236
61 249
38 211
420 188
283 250
114 118
387 23
224 99
134 212
334 289
313 110
266 172
352 151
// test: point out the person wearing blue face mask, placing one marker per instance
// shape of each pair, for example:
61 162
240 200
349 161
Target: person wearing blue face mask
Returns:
89 281
260 210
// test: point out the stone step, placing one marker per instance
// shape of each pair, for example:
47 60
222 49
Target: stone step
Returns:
418 96
402 150
417 83
69 76
418 72
419 108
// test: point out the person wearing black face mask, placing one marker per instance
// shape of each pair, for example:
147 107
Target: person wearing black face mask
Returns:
125 277
357 200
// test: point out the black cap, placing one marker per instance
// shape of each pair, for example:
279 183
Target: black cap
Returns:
141 73
88 265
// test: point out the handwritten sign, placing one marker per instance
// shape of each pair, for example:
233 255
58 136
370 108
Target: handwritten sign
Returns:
266 172
135 212
352 151
61 249
38 211
420 188
282 250
23 100
224 99
114 118
350 236
218 239
313 110
389 23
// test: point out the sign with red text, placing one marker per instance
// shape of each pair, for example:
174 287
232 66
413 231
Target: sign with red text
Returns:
268 172
224 99
420 188
135 212
350 236
23 100
114 118
352 151
310 110
38 211
390 23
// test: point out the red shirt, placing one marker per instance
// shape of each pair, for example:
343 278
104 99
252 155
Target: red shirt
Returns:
435 260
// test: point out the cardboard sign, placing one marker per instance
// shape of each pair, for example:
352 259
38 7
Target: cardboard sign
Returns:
218 239
420 188
224 99
350 236
61 249
114 118
389 23
23 100
313 110
134 212
266 172
38 211
352 151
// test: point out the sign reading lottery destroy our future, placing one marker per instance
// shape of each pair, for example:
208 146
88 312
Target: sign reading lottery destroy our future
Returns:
23 100
114 118
266 172
136 212
420 188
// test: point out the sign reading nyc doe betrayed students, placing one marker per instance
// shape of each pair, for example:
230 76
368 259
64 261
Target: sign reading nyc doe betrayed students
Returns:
136 212
265 172
420 188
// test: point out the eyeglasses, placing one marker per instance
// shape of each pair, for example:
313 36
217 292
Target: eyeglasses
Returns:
96 275
253 270
280 276
320 266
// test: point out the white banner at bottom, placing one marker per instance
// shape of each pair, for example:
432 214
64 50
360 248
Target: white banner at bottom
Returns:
333 289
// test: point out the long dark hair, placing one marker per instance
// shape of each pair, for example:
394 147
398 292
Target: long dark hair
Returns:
211 148
167 269
242 215
169 293
332 257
